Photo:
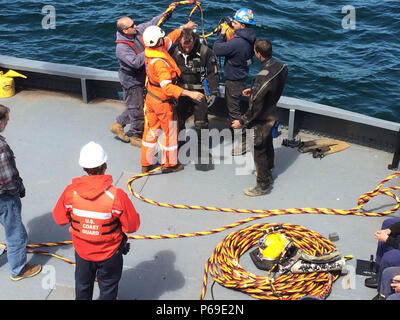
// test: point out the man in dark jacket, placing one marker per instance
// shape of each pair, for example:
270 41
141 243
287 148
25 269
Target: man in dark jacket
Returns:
198 65
130 54
266 89
238 53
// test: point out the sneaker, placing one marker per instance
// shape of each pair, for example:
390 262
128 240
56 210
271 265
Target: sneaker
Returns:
29 271
371 282
136 141
118 130
175 168
256 191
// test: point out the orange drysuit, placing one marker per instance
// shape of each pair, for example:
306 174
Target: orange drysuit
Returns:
161 71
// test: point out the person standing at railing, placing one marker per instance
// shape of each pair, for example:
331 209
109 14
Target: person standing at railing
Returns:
130 54
162 92
266 89
238 53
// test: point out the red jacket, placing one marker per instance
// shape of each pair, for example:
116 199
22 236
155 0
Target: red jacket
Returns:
90 189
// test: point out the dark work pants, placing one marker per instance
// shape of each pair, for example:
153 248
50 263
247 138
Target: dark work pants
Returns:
264 155
387 256
233 90
108 273
133 114
187 107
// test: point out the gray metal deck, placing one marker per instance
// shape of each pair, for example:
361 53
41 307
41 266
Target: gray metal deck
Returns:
46 131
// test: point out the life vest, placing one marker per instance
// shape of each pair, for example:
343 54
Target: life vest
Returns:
153 83
133 45
94 220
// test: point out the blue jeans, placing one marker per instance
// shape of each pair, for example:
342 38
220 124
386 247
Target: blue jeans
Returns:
15 234
387 256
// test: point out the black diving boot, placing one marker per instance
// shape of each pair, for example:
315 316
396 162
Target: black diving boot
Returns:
259 190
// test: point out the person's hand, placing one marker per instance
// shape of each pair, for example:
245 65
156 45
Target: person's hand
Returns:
197 96
236 124
246 92
382 235
189 25
223 29
174 4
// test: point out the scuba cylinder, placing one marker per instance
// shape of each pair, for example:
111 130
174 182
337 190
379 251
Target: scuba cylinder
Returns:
7 86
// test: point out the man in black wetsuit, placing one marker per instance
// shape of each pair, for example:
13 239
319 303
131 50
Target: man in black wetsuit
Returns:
266 89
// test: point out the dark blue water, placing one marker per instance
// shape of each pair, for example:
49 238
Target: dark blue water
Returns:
354 69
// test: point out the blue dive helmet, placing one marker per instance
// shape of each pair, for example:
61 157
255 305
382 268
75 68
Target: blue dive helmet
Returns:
245 16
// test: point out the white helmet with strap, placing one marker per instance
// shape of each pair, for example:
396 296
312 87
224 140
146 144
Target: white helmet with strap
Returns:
92 155
151 35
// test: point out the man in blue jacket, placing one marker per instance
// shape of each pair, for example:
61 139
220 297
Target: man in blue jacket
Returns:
130 54
238 53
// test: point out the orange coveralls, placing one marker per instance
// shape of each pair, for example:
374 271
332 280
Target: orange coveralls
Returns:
161 70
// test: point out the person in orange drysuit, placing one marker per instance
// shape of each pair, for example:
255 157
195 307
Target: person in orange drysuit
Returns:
99 214
161 72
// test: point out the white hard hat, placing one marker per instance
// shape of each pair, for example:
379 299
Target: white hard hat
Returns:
151 35
92 155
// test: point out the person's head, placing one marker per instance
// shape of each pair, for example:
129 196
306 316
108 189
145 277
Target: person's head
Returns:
4 116
187 40
126 26
92 159
263 49
153 36
243 18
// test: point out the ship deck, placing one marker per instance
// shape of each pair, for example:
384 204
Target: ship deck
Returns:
46 131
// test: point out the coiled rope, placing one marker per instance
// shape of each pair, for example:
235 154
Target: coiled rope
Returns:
224 267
